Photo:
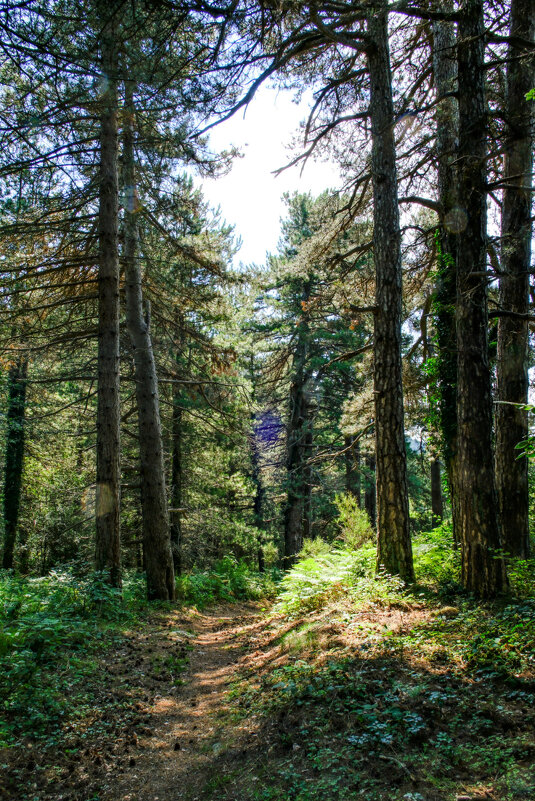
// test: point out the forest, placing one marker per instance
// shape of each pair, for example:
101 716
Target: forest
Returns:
267 529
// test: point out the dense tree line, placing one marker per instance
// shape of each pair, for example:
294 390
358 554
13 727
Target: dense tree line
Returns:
227 410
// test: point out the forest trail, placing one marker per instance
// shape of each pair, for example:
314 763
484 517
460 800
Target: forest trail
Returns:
174 755
237 703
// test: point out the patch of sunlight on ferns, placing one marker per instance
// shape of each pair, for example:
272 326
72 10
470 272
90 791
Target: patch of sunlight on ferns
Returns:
353 522
325 572
322 577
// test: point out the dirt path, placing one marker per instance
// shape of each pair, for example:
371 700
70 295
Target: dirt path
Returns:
174 755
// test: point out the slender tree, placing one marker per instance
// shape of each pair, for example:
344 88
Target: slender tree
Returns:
370 494
512 361
353 468
394 551
483 571
108 548
437 505
451 216
155 515
15 424
177 435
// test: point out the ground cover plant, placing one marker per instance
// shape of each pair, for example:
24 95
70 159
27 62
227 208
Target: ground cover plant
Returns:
52 630
227 580
370 689
348 683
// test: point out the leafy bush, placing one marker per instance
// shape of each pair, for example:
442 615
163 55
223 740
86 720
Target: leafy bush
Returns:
521 574
332 572
315 548
354 523
437 563
228 580
325 571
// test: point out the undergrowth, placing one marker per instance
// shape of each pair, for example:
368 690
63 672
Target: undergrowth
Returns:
51 629
385 691
228 580
327 571
380 727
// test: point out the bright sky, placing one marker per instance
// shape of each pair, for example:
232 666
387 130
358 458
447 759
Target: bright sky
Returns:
250 196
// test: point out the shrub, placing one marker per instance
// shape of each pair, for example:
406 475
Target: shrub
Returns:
333 571
437 564
228 580
353 522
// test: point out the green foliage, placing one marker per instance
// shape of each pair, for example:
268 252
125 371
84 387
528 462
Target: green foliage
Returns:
527 446
228 580
521 573
437 564
333 571
324 572
49 627
354 523
440 698
344 722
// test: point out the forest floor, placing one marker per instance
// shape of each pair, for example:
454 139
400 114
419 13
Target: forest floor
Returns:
153 729
236 703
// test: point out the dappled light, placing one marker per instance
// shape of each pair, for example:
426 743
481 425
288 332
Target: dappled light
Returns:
266 400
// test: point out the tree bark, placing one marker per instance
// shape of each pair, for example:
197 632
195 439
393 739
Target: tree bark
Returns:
437 507
447 132
512 361
14 456
394 551
483 572
155 515
108 544
293 513
370 494
308 445
259 493
295 444
177 465
176 481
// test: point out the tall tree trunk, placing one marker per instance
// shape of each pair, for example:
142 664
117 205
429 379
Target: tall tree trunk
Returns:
352 466
512 365
437 507
259 493
176 480
308 444
295 441
394 551
108 543
447 132
483 572
14 457
177 466
155 515
293 513
370 494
